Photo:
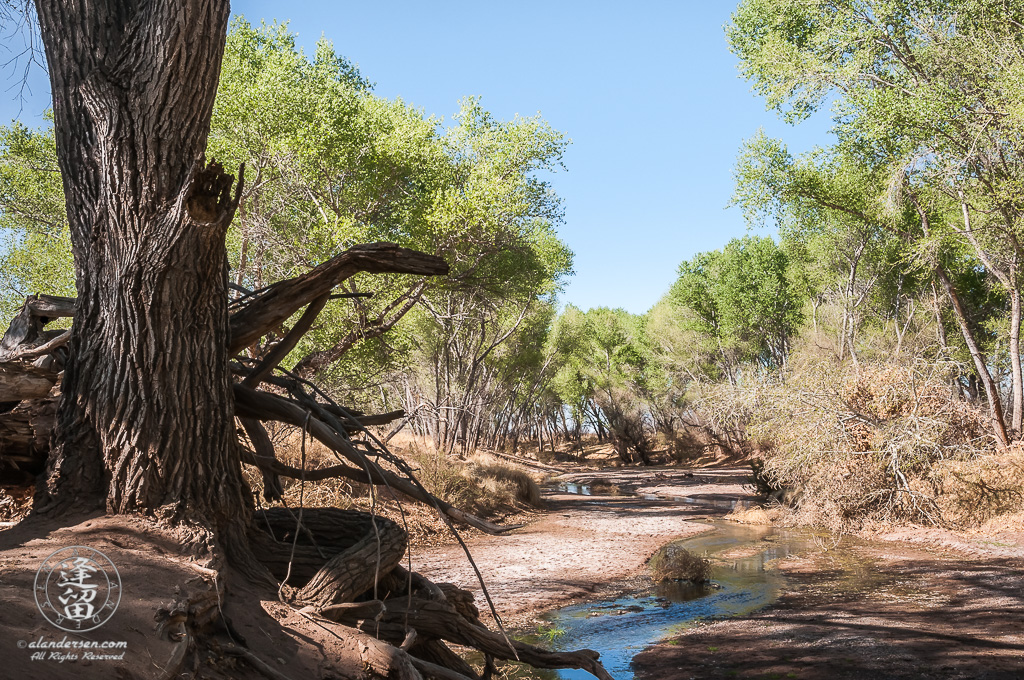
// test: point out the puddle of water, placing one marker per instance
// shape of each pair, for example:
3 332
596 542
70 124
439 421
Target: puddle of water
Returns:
584 489
743 581
621 628
611 490
725 503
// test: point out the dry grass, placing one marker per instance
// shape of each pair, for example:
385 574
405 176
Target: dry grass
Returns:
482 485
503 480
757 515
675 563
1010 522
986 489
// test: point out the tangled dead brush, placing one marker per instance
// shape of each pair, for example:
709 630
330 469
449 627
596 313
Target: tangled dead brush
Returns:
675 563
721 414
864 444
981 490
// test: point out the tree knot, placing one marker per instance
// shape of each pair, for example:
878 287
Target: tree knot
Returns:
210 200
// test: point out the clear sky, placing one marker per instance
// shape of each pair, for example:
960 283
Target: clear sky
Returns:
647 91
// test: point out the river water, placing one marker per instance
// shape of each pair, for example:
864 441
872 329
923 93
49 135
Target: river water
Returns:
742 581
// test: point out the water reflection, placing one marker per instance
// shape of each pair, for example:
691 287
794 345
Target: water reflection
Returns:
619 629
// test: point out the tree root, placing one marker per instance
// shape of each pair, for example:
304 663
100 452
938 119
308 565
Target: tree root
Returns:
345 568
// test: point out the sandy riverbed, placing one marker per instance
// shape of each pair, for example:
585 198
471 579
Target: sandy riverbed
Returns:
582 545
913 603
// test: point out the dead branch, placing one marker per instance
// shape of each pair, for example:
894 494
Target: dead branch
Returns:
20 381
264 406
287 344
443 621
284 298
26 329
263 457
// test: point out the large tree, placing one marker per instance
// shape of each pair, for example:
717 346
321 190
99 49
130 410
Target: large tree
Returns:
927 92
146 420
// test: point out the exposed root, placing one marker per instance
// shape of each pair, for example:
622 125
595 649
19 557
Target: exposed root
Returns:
408 617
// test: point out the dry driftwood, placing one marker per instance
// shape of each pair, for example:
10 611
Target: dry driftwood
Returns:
281 300
30 360
251 403
20 381
26 330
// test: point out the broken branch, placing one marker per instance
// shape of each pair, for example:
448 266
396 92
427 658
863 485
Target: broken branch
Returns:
284 298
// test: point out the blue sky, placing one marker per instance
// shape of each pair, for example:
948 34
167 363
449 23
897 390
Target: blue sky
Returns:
647 91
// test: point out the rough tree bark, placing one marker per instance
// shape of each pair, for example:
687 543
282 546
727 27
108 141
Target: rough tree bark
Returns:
146 421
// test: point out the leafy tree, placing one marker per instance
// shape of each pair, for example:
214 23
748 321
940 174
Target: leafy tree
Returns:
606 372
741 301
832 213
925 92
35 251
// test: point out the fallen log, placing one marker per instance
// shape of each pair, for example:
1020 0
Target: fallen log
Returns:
336 556
417 616
20 381
25 429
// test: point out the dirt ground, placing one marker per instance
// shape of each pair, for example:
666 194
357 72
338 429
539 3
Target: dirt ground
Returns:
914 603
153 574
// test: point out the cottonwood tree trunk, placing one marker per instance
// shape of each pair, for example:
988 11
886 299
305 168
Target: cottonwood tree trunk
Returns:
980 366
146 418
1017 417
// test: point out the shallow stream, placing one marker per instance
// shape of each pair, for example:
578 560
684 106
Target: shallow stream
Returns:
742 581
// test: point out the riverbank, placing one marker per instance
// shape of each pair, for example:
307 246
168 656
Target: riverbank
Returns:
868 610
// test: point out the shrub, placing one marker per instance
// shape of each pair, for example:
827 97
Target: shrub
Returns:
489 472
482 485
